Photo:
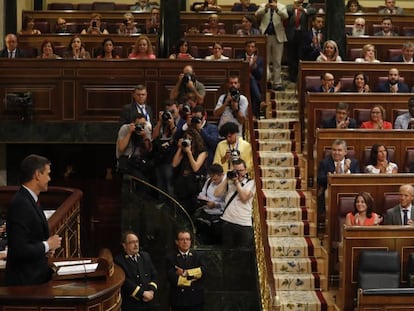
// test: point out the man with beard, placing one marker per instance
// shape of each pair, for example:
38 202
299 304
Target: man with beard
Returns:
358 29
393 84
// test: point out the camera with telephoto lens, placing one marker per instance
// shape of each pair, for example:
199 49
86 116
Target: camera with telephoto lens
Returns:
166 115
232 174
234 155
186 109
235 94
139 128
186 143
94 24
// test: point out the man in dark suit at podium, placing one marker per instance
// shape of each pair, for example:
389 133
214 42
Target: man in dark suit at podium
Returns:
140 275
29 243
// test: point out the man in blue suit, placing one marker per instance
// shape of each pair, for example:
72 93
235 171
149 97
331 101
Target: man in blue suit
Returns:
393 84
335 163
406 55
341 120
29 241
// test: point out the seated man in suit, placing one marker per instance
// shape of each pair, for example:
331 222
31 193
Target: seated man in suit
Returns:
341 120
406 55
391 9
404 121
403 213
393 84
11 50
328 84
386 26
335 163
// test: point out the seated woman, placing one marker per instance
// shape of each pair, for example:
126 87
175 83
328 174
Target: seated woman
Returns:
95 26
363 214
208 5
353 6
378 161
360 83
107 50
188 163
183 50
128 25
28 27
213 28
377 121
48 50
368 55
217 52
248 27
329 52
142 49
76 49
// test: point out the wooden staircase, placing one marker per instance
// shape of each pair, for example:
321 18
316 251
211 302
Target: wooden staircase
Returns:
300 263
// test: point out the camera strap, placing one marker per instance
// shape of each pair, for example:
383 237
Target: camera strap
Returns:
234 195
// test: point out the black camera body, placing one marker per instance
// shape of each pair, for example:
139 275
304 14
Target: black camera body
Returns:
139 128
125 22
195 120
166 116
94 25
187 78
235 94
232 174
186 143
234 154
22 101
186 109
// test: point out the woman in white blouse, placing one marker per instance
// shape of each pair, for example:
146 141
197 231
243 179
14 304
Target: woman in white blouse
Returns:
368 55
379 163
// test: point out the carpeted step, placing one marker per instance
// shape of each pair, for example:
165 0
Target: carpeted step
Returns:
279 172
304 301
290 213
288 94
298 265
282 114
281 183
295 247
275 124
271 134
292 228
286 199
276 145
283 104
275 159
300 281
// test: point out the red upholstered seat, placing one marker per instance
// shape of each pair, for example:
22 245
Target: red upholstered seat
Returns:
321 115
409 158
103 6
346 83
312 83
362 115
345 205
60 6
44 27
393 53
408 31
391 199
354 53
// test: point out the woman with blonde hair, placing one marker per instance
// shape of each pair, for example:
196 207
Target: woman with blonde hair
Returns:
142 49
213 26
377 122
368 55
329 53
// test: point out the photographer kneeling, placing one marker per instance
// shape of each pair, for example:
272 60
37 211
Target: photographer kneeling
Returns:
239 189
188 163
133 148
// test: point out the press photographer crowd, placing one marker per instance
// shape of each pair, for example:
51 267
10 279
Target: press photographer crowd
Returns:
204 166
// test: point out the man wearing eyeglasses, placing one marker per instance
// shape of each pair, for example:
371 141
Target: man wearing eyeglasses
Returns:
358 29
239 189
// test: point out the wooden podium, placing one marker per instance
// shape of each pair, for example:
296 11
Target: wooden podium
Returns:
88 294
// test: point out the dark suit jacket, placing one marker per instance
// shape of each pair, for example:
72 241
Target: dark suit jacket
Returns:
239 8
398 58
331 123
327 165
19 53
147 279
27 228
385 87
129 111
185 296
290 24
309 51
257 72
393 216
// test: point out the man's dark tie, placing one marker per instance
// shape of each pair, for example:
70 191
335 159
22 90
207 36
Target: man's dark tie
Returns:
405 217
10 54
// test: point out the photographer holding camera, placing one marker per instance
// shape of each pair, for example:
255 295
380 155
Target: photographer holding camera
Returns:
188 163
208 131
232 148
187 83
95 26
239 189
164 146
133 148
232 106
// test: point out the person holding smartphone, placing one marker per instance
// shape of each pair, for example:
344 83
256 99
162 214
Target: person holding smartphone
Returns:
95 26
127 27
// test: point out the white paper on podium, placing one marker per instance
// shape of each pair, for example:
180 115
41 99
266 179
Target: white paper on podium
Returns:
77 269
71 262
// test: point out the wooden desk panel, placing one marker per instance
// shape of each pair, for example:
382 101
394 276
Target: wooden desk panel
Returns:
376 185
355 239
316 103
94 90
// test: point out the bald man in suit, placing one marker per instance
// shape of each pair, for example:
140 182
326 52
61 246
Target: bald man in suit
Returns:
403 213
